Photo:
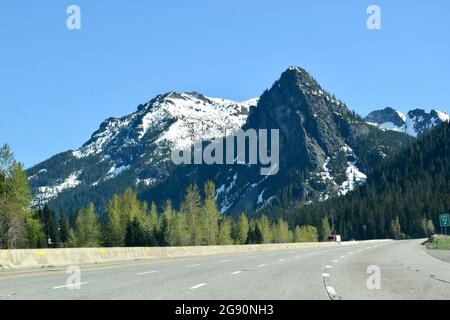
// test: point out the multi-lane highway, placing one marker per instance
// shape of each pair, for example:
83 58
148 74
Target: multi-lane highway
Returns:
385 270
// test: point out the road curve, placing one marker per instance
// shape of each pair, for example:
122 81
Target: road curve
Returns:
340 273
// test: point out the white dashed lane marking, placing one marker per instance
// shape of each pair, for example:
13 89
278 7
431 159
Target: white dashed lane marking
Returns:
144 273
198 286
70 285
331 291
236 272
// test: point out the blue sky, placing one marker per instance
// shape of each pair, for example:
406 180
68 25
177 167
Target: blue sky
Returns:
58 85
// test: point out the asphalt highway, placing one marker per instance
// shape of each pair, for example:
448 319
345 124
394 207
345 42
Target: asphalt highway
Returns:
384 270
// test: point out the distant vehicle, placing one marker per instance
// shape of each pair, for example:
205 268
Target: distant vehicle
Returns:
334 238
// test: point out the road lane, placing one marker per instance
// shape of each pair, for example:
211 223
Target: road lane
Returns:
316 273
406 272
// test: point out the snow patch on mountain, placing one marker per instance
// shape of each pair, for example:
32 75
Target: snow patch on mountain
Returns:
50 192
147 182
201 118
115 171
443 116
354 175
193 116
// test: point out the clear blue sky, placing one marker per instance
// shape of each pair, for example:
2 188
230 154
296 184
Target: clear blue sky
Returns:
57 85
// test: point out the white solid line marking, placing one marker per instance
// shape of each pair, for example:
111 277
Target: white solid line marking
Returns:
198 286
331 291
144 273
70 285
193 266
261 265
236 272
325 275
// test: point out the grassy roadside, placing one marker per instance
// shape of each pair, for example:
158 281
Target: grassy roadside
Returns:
439 243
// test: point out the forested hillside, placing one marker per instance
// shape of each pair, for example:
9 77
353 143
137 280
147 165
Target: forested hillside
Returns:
402 198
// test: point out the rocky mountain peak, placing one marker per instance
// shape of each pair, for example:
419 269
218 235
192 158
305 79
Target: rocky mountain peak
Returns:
415 123
385 115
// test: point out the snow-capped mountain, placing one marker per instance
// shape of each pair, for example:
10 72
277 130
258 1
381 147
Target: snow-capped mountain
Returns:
414 123
325 150
140 142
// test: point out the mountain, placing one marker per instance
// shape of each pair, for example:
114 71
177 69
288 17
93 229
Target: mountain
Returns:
403 197
134 149
325 150
415 123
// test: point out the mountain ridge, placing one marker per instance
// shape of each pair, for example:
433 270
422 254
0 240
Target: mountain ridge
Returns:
415 123
326 150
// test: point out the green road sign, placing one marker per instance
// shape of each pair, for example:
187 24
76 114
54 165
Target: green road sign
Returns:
444 220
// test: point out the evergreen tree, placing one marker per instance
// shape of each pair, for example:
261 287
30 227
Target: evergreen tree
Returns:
154 225
131 208
115 227
15 202
265 230
210 215
34 230
87 231
281 231
225 232
166 225
242 229
63 228
191 208
325 230
48 218
179 234
134 235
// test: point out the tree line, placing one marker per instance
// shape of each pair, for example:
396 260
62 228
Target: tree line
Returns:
129 222
19 225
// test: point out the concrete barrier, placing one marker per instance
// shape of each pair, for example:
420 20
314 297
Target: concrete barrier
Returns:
39 258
